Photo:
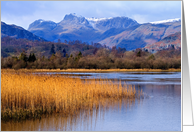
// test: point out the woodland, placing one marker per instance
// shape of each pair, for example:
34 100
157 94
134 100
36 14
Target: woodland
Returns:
23 53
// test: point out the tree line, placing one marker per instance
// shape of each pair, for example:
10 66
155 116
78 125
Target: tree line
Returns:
99 58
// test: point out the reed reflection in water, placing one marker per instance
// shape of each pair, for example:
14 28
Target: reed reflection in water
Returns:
84 120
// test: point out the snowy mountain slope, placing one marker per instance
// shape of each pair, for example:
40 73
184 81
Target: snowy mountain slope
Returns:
165 21
114 31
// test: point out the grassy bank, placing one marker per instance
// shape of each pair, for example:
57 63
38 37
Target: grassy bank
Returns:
26 96
93 70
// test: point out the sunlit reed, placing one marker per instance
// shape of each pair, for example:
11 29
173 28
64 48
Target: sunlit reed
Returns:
29 96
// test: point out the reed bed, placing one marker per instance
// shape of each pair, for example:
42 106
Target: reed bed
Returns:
26 96
84 121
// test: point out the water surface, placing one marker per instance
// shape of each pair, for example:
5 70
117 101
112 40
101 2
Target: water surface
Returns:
160 112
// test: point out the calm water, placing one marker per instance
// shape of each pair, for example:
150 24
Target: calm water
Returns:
160 112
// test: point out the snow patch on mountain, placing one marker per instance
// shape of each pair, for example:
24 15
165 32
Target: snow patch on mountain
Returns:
97 19
92 21
76 15
165 21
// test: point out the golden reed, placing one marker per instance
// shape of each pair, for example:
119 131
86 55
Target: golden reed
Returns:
28 95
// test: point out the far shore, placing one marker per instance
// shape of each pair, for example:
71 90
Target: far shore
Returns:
94 70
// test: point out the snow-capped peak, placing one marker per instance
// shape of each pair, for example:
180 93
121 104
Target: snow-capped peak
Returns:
97 19
40 20
94 20
165 21
74 14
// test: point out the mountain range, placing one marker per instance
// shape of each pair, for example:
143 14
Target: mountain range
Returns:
18 32
121 32
173 40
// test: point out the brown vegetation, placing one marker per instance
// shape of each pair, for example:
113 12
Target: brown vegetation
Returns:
26 95
102 59
22 53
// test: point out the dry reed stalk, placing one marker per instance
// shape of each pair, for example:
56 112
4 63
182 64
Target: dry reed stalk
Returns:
31 95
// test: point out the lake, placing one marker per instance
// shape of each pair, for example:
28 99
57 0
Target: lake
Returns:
160 112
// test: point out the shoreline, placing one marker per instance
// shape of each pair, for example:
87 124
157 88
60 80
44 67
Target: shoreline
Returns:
26 96
93 70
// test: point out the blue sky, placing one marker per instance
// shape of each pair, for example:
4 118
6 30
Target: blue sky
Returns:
22 13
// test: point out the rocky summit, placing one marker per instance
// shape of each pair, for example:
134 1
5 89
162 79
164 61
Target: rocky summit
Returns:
119 31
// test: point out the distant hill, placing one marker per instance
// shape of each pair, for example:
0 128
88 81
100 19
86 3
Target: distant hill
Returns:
104 24
142 35
171 41
121 32
14 47
17 32
74 27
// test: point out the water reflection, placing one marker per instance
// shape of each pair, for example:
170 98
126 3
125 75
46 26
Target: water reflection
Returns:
161 112
157 78
85 120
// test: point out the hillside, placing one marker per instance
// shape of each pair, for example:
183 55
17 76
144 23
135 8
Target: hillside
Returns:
121 32
173 40
23 53
142 35
17 32
14 47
